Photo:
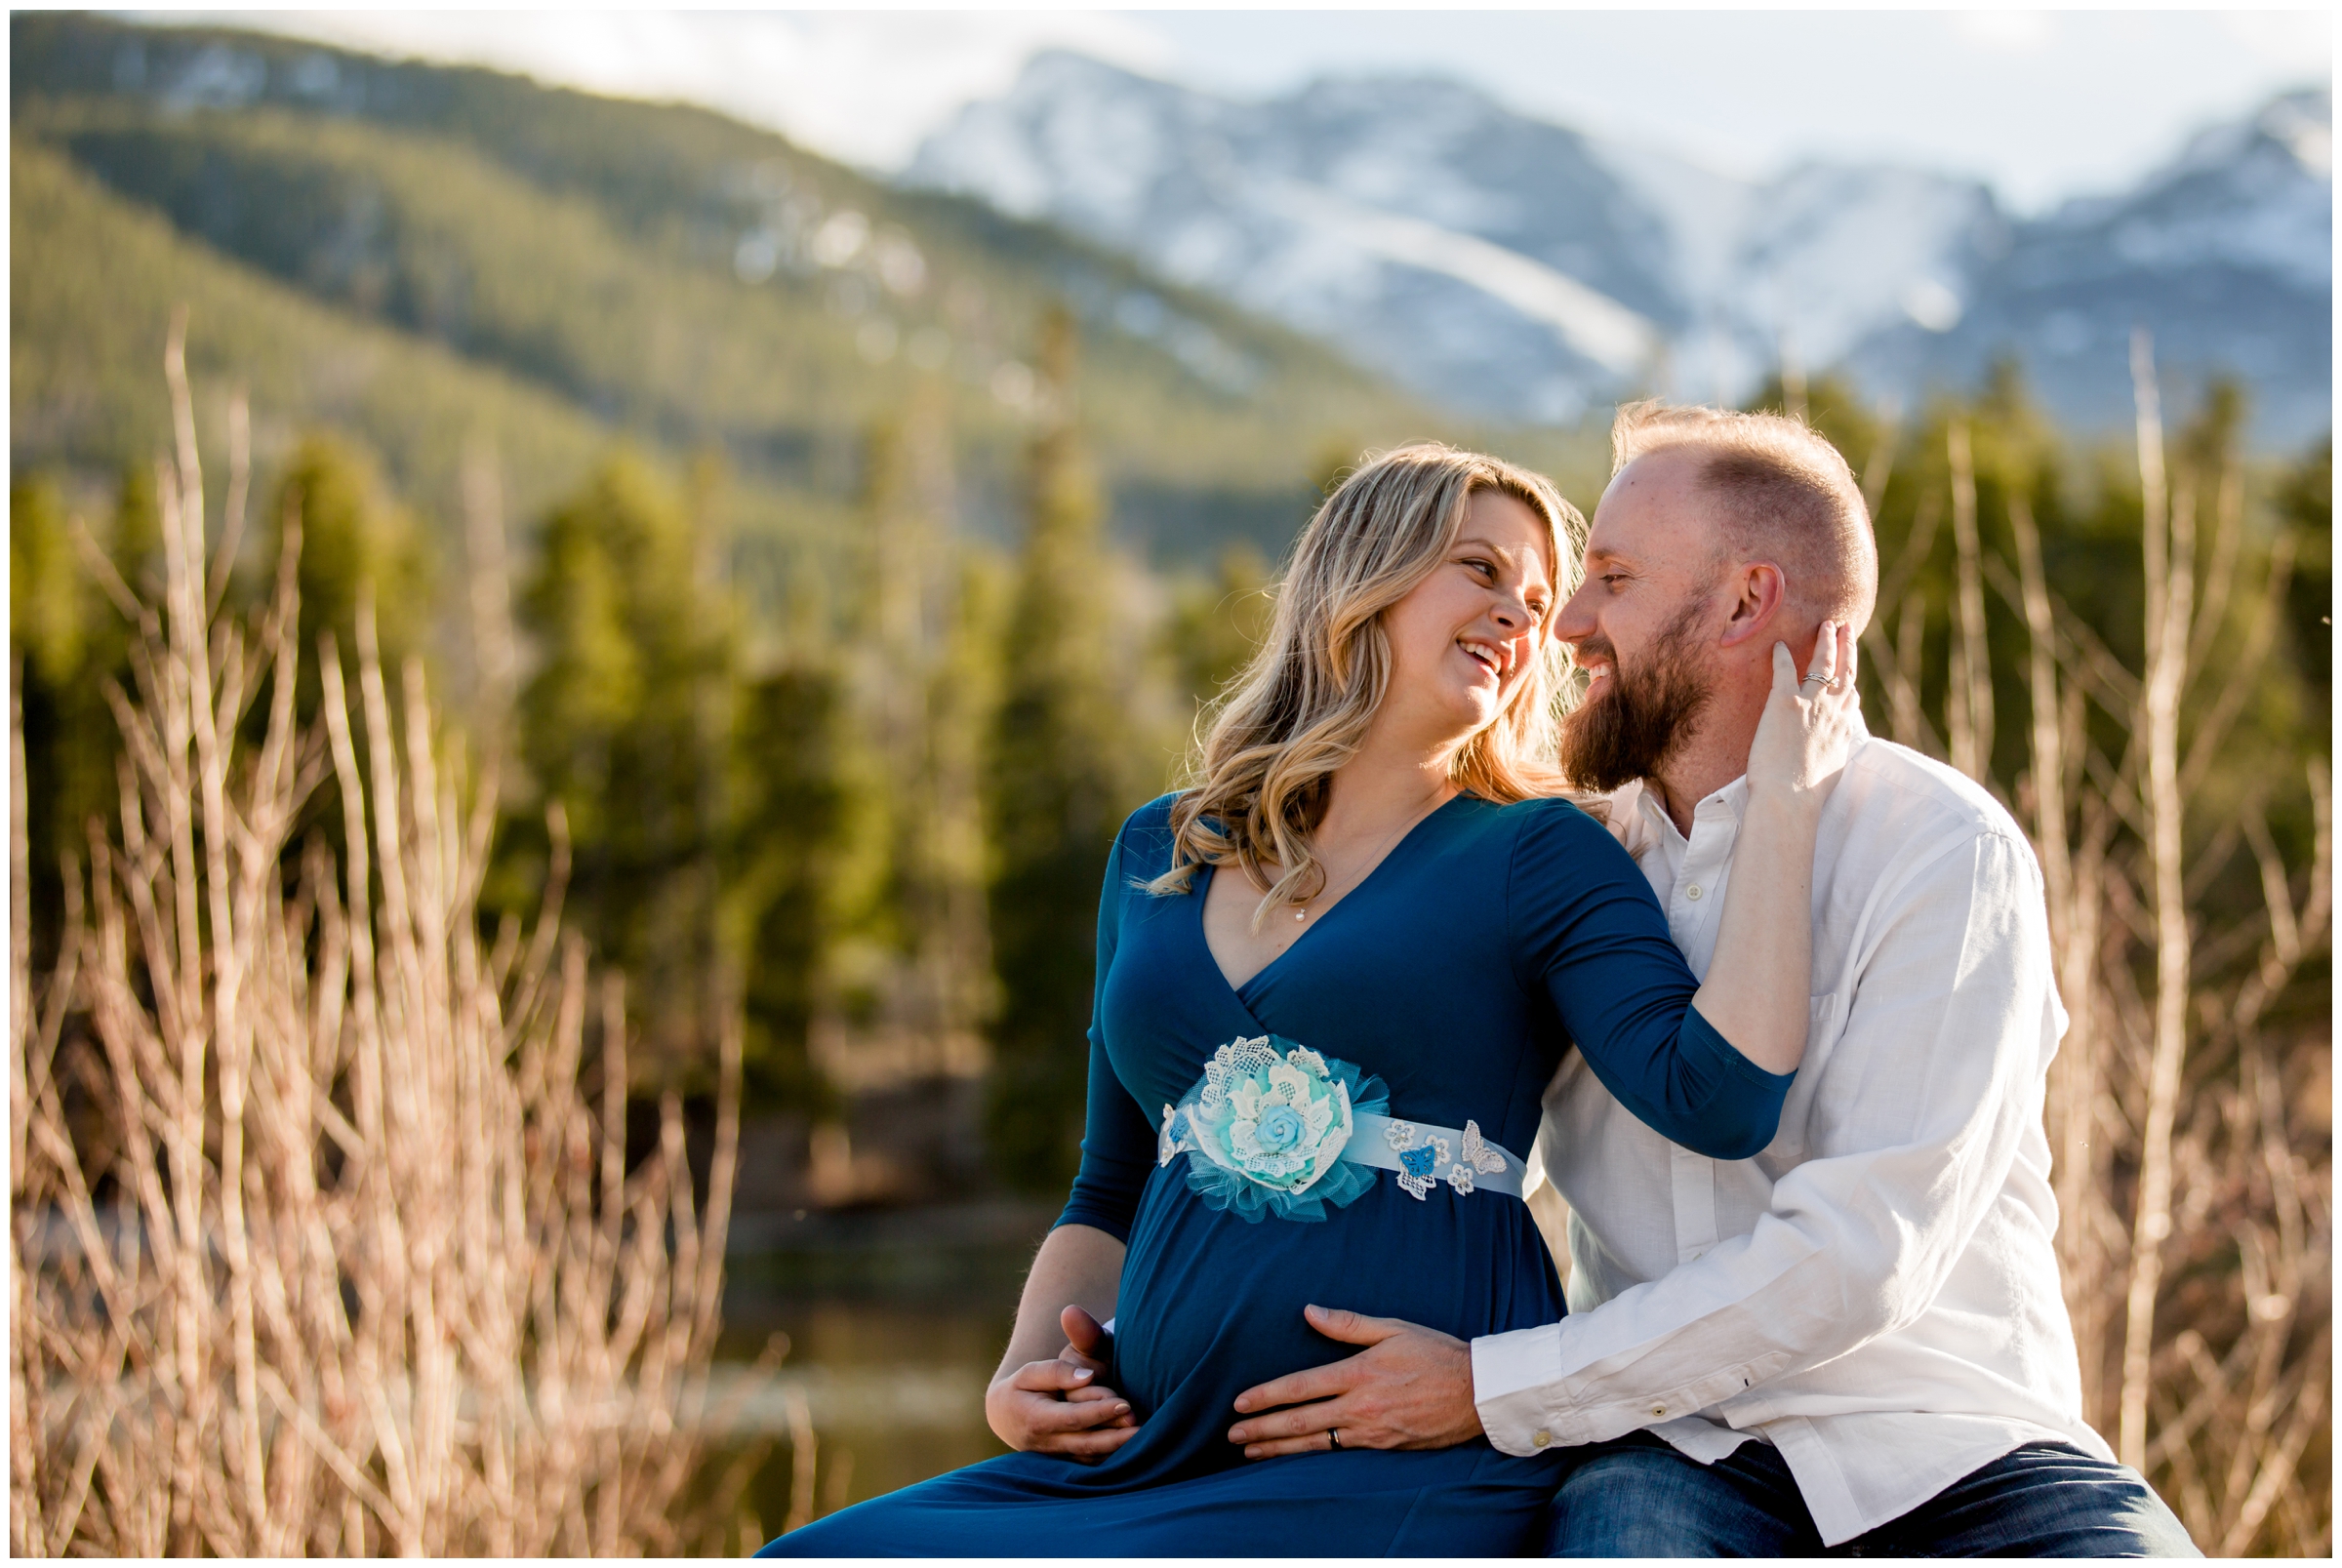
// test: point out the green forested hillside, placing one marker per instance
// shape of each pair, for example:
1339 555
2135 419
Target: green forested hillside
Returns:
606 265
93 280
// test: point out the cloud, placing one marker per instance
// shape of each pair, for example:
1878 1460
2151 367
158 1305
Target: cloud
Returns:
2006 32
2302 41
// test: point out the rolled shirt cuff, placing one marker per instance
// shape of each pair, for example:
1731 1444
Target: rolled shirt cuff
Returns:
1512 1376
1528 1405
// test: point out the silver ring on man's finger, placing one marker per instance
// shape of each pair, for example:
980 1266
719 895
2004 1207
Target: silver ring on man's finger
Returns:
1334 1438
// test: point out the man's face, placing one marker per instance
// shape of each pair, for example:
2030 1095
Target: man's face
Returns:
1638 624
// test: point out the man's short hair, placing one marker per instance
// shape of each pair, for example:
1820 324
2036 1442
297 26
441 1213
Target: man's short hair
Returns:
1785 495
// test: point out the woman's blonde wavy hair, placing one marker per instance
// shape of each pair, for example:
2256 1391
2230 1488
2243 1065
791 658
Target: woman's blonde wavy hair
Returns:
1302 706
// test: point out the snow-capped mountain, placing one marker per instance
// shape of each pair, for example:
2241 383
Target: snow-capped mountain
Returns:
2225 255
1517 268
1489 261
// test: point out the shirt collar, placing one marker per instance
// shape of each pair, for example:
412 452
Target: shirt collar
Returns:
1726 805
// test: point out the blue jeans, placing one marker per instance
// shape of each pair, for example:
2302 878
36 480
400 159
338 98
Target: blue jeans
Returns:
1639 1498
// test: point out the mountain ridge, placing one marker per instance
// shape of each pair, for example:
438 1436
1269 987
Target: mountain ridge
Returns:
665 270
1908 279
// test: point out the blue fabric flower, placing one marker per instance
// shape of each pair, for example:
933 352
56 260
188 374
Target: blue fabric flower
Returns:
1265 1128
1277 1130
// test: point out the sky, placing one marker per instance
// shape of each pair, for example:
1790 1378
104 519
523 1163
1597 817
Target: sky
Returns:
2042 105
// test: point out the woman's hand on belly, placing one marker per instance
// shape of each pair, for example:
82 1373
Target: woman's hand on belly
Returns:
1059 1407
1410 1388
1054 1407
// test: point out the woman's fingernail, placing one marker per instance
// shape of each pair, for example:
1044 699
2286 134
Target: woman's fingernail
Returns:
1079 1373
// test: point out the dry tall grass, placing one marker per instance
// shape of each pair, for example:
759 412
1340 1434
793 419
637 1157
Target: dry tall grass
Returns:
320 1244
2195 1178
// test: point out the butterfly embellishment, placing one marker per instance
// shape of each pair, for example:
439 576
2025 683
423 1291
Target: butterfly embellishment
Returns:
1479 1154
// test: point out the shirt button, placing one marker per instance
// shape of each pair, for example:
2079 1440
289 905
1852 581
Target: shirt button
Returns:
1543 1439
1692 891
1658 1410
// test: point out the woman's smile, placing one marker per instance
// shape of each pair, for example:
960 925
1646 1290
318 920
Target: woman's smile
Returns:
1490 658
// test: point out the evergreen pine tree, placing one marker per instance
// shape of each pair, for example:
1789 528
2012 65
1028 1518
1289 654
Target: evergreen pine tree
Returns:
1054 795
68 639
355 542
65 641
623 723
791 822
921 694
2305 500
1218 621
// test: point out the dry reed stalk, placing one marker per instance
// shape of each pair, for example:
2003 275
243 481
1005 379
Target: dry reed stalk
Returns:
310 1254
2168 532
1970 709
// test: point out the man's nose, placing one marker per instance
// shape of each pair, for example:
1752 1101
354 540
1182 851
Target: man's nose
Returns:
1574 622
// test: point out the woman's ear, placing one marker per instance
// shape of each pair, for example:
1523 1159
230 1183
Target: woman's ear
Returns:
1759 590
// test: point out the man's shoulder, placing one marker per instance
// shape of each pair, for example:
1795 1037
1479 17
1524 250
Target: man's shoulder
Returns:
1907 803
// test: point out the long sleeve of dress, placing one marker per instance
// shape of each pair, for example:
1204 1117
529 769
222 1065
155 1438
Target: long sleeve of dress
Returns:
1118 1141
1586 927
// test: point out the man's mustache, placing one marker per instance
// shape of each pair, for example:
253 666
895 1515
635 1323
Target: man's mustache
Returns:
1597 647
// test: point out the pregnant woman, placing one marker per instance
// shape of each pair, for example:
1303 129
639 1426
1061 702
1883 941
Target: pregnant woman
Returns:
1334 978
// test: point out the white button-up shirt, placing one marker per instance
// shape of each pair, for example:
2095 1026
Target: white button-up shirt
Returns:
1876 1294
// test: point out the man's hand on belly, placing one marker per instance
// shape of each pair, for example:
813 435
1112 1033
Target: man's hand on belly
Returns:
1410 1388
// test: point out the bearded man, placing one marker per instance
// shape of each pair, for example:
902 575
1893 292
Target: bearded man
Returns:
1854 1344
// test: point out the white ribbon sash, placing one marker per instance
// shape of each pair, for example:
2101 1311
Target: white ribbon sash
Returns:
1424 1155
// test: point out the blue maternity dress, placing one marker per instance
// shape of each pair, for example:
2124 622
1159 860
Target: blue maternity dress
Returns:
1485 944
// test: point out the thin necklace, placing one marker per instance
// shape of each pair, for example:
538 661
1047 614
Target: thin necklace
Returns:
1301 909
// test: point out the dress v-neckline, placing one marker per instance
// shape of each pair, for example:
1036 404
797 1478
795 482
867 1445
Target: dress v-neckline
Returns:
1203 893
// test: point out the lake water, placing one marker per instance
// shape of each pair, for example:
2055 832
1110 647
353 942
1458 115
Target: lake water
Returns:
895 1321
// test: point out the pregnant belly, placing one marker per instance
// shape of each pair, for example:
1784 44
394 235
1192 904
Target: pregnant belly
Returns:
1211 1306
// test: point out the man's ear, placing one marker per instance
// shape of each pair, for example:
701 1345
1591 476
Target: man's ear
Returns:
1758 590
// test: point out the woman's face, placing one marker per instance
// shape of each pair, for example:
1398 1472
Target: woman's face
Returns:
1463 639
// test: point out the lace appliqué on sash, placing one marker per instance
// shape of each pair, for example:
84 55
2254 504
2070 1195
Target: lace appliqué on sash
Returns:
1420 1157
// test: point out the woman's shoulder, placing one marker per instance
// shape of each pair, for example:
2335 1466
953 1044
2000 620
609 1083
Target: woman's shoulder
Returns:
1145 841
1152 817
1543 815
1551 833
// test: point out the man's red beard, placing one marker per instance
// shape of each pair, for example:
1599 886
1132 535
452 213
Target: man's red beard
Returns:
1634 726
